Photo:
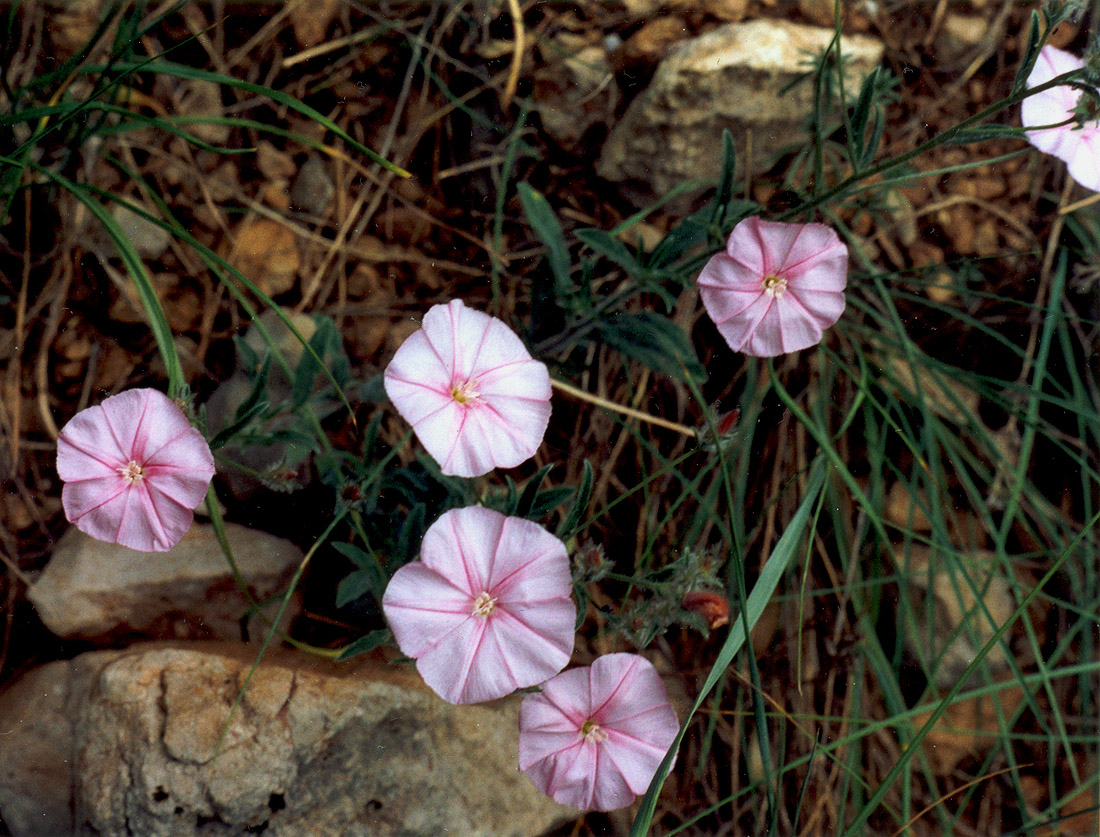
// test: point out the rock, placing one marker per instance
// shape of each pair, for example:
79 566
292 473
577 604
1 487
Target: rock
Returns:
961 33
313 188
267 253
311 20
955 603
131 742
96 590
732 77
203 98
729 10
72 24
575 89
148 239
820 12
36 748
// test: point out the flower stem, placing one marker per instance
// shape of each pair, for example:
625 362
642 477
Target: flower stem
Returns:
626 411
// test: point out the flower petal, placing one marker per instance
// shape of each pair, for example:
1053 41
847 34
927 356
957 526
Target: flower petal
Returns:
446 666
740 331
461 546
176 466
87 503
87 449
1083 163
622 695
525 637
809 258
529 563
1077 146
423 608
502 423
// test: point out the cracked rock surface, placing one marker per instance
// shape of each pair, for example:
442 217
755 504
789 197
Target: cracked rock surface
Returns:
739 77
147 741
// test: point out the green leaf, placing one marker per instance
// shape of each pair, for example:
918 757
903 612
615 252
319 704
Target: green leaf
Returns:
548 228
158 322
861 115
725 180
373 578
655 341
986 132
548 500
244 416
761 594
1027 61
584 494
877 127
364 644
410 534
353 586
530 492
602 242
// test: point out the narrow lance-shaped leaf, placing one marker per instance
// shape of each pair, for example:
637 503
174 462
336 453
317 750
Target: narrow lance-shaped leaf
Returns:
761 594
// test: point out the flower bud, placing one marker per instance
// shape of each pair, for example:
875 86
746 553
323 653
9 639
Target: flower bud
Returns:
712 606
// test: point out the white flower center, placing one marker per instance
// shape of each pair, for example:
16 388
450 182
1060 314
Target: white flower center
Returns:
774 285
592 732
484 604
465 391
131 472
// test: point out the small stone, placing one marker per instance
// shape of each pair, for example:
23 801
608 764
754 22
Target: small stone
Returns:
313 189
654 40
955 603
731 11
148 239
311 20
267 253
203 98
286 343
96 590
820 12
274 163
906 510
961 33
575 89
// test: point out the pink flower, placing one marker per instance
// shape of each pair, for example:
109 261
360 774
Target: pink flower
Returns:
594 737
777 286
1078 147
134 469
486 610
475 397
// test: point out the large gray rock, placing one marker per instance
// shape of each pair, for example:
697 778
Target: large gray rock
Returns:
96 590
147 742
732 77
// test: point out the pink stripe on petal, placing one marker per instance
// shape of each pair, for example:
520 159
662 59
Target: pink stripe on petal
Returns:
86 436
135 528
739 331
814 245
726 304
125 414
722 273
634 761
447 666
1083 163
84 497
75 463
